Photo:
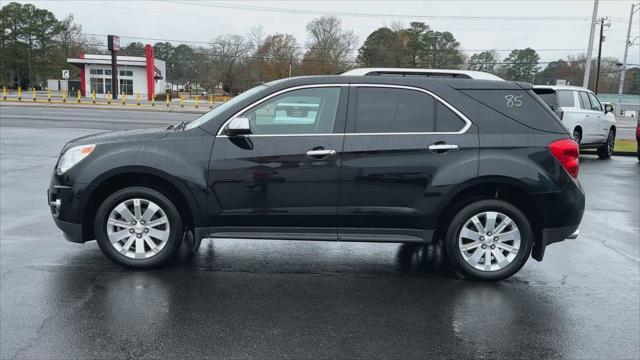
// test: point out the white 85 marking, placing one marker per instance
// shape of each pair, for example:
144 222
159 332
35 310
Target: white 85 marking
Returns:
513 101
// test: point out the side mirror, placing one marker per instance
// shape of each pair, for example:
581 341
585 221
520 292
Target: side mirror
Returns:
238 126
608 108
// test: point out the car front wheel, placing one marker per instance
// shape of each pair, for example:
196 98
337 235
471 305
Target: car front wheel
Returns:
489 240
138 227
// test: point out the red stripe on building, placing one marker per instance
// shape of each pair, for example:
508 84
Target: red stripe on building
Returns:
151 81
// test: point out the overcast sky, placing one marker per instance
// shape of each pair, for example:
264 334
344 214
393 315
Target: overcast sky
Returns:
502 25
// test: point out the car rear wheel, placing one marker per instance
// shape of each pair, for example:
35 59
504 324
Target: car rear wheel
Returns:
489 240
138 227
577 135
605 151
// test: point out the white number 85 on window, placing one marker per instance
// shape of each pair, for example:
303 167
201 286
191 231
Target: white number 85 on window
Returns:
513 101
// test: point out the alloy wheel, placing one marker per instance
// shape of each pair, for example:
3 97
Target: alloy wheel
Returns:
138 228
489 241
610 143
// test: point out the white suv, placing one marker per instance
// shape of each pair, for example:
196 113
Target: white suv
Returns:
591 124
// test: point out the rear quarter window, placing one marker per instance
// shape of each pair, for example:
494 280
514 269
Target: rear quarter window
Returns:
522 106
565 99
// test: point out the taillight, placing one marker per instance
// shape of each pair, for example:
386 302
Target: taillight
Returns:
566 151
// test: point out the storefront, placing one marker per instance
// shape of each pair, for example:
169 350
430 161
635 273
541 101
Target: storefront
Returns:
142 76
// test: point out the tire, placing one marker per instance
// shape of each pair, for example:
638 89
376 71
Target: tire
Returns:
165 235
577 135
605 151
515 259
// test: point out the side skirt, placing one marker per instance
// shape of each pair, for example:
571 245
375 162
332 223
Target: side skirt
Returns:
380 235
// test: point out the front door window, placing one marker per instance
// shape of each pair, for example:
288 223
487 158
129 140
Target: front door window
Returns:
303 111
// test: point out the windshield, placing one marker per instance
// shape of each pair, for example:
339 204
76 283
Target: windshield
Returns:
221 108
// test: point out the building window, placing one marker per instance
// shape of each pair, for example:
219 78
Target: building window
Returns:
95 71
107 86
97 85
126 86
126 73
107 72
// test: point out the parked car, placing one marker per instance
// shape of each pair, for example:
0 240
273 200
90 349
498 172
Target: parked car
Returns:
483 166
592 124
638 137
433 73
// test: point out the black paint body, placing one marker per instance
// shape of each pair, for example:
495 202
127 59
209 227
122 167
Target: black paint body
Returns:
378 187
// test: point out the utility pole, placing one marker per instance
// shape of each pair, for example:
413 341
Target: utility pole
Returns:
113 44
587 68
627 43
602 25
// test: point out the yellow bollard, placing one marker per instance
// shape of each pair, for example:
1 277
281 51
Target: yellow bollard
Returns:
64 96
197 100
48 95
79 96
33 94
4 93
19 93
181 102
153 100
124 99
167 99
109 96
210 101
138 99
93 97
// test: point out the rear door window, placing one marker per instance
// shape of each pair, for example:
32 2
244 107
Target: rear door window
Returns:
392 110
389 110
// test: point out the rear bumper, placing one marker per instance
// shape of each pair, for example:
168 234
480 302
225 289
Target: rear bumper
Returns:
561 215
553 235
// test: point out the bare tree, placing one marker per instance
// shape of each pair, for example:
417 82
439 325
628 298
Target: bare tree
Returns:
278 55
329 46
229 52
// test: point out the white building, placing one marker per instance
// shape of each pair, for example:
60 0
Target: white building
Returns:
137 75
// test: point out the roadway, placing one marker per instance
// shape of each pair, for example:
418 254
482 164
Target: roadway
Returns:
288 299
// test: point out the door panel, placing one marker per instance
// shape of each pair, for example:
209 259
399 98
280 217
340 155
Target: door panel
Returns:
391 182
590 121
396 182
270 182
274 185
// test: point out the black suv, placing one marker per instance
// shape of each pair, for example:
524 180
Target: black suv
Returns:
483 166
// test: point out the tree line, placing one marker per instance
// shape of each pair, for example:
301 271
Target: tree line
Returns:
34 46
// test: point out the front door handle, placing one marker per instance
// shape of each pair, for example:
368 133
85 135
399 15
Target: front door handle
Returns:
442 148
320 153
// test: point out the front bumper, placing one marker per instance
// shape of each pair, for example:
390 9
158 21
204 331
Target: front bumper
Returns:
71 232
64 204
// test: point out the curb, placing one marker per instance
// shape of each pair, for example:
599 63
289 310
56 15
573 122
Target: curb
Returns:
133 107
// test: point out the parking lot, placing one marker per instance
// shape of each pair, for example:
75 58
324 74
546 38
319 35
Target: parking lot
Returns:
288 299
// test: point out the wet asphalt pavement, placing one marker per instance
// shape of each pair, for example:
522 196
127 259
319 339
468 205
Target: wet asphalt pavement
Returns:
288 299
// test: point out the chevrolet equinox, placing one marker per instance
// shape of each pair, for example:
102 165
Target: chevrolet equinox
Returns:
483 166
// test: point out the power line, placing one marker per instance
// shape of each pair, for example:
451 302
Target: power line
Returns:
314 48
384 16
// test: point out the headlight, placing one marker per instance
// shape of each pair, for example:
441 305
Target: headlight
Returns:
73 156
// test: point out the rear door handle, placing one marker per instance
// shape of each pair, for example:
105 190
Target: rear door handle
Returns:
320 154
442 148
